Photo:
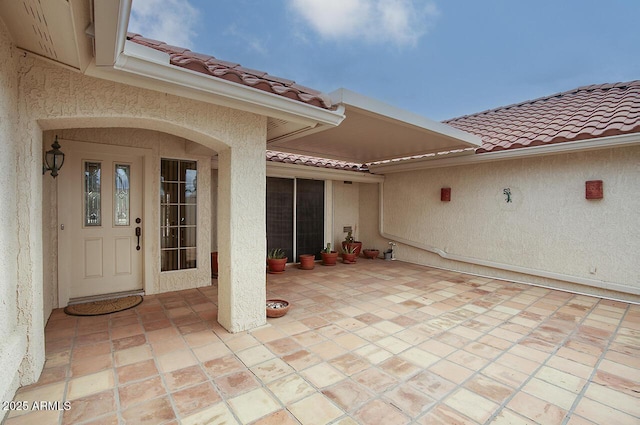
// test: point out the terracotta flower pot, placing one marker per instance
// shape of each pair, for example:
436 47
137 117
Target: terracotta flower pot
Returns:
214 264
329 258
371 253
277 308
277 265
347 246
349 258
307 261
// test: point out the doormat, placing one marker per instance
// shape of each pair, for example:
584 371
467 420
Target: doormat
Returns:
97 308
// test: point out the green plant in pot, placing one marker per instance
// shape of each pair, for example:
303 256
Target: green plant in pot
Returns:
277 260
329 257
349 241
349 255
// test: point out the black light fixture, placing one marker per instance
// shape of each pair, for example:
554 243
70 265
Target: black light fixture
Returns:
53 159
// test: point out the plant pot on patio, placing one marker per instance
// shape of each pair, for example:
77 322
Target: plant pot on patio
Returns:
371 253
356 246
277 261
349 255
307 261
349 258
277 308
329 257
214 264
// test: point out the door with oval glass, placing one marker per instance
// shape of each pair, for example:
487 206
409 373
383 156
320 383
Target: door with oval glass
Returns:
100 198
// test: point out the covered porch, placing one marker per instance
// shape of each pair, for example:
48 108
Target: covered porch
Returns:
374 342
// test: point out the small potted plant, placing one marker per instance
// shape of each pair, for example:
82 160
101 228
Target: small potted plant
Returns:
349 255
349 241
371 253
329 257
277 260
307 261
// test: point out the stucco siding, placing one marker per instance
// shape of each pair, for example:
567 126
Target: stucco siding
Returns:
547 226
38 97
13 346
346 201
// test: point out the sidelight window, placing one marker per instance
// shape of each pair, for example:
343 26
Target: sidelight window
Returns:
178 214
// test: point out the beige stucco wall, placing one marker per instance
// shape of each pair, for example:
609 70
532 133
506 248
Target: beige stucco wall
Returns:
549 226
346 204
13 346
37 97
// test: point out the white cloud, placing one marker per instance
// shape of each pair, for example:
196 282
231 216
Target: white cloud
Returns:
171 21
401 22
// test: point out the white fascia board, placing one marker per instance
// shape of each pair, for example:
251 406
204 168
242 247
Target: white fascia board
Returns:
279 169
554 149
347 97
148 68
110 28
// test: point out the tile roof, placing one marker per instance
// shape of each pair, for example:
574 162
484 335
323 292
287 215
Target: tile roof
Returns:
209 65
588 112
584 113
312 161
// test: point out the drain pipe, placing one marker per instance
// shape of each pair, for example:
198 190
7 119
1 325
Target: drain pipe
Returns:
501 266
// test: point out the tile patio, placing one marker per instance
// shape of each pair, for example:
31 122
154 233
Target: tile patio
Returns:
372 343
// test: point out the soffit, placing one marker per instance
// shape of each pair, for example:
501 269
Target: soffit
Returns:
374 131
52 29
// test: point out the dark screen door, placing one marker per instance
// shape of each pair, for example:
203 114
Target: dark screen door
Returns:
308 197
280 215
309 216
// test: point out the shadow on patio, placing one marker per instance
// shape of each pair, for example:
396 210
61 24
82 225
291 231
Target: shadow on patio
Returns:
372 343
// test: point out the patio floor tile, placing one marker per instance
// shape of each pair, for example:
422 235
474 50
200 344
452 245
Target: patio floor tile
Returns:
253 405
369 343
315 410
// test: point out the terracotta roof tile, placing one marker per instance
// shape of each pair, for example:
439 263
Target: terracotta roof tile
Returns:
597 110
289 158
235 73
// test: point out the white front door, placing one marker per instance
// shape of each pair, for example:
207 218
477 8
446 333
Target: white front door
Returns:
100 198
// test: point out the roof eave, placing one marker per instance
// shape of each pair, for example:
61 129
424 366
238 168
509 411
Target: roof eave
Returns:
123 61
347 97
554 149
145 67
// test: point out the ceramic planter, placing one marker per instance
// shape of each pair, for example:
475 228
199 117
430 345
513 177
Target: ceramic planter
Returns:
307 261
277 265
329 258
352 246
214 264
277 308
371 253
349 258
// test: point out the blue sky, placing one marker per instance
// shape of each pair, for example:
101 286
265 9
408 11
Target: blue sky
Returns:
437 58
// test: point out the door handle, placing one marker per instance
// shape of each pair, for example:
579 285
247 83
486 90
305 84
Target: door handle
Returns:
138 234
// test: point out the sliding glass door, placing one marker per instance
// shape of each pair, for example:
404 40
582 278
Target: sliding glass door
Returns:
295 216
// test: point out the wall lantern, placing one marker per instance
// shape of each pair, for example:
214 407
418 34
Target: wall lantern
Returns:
445 194
593 189
53 159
